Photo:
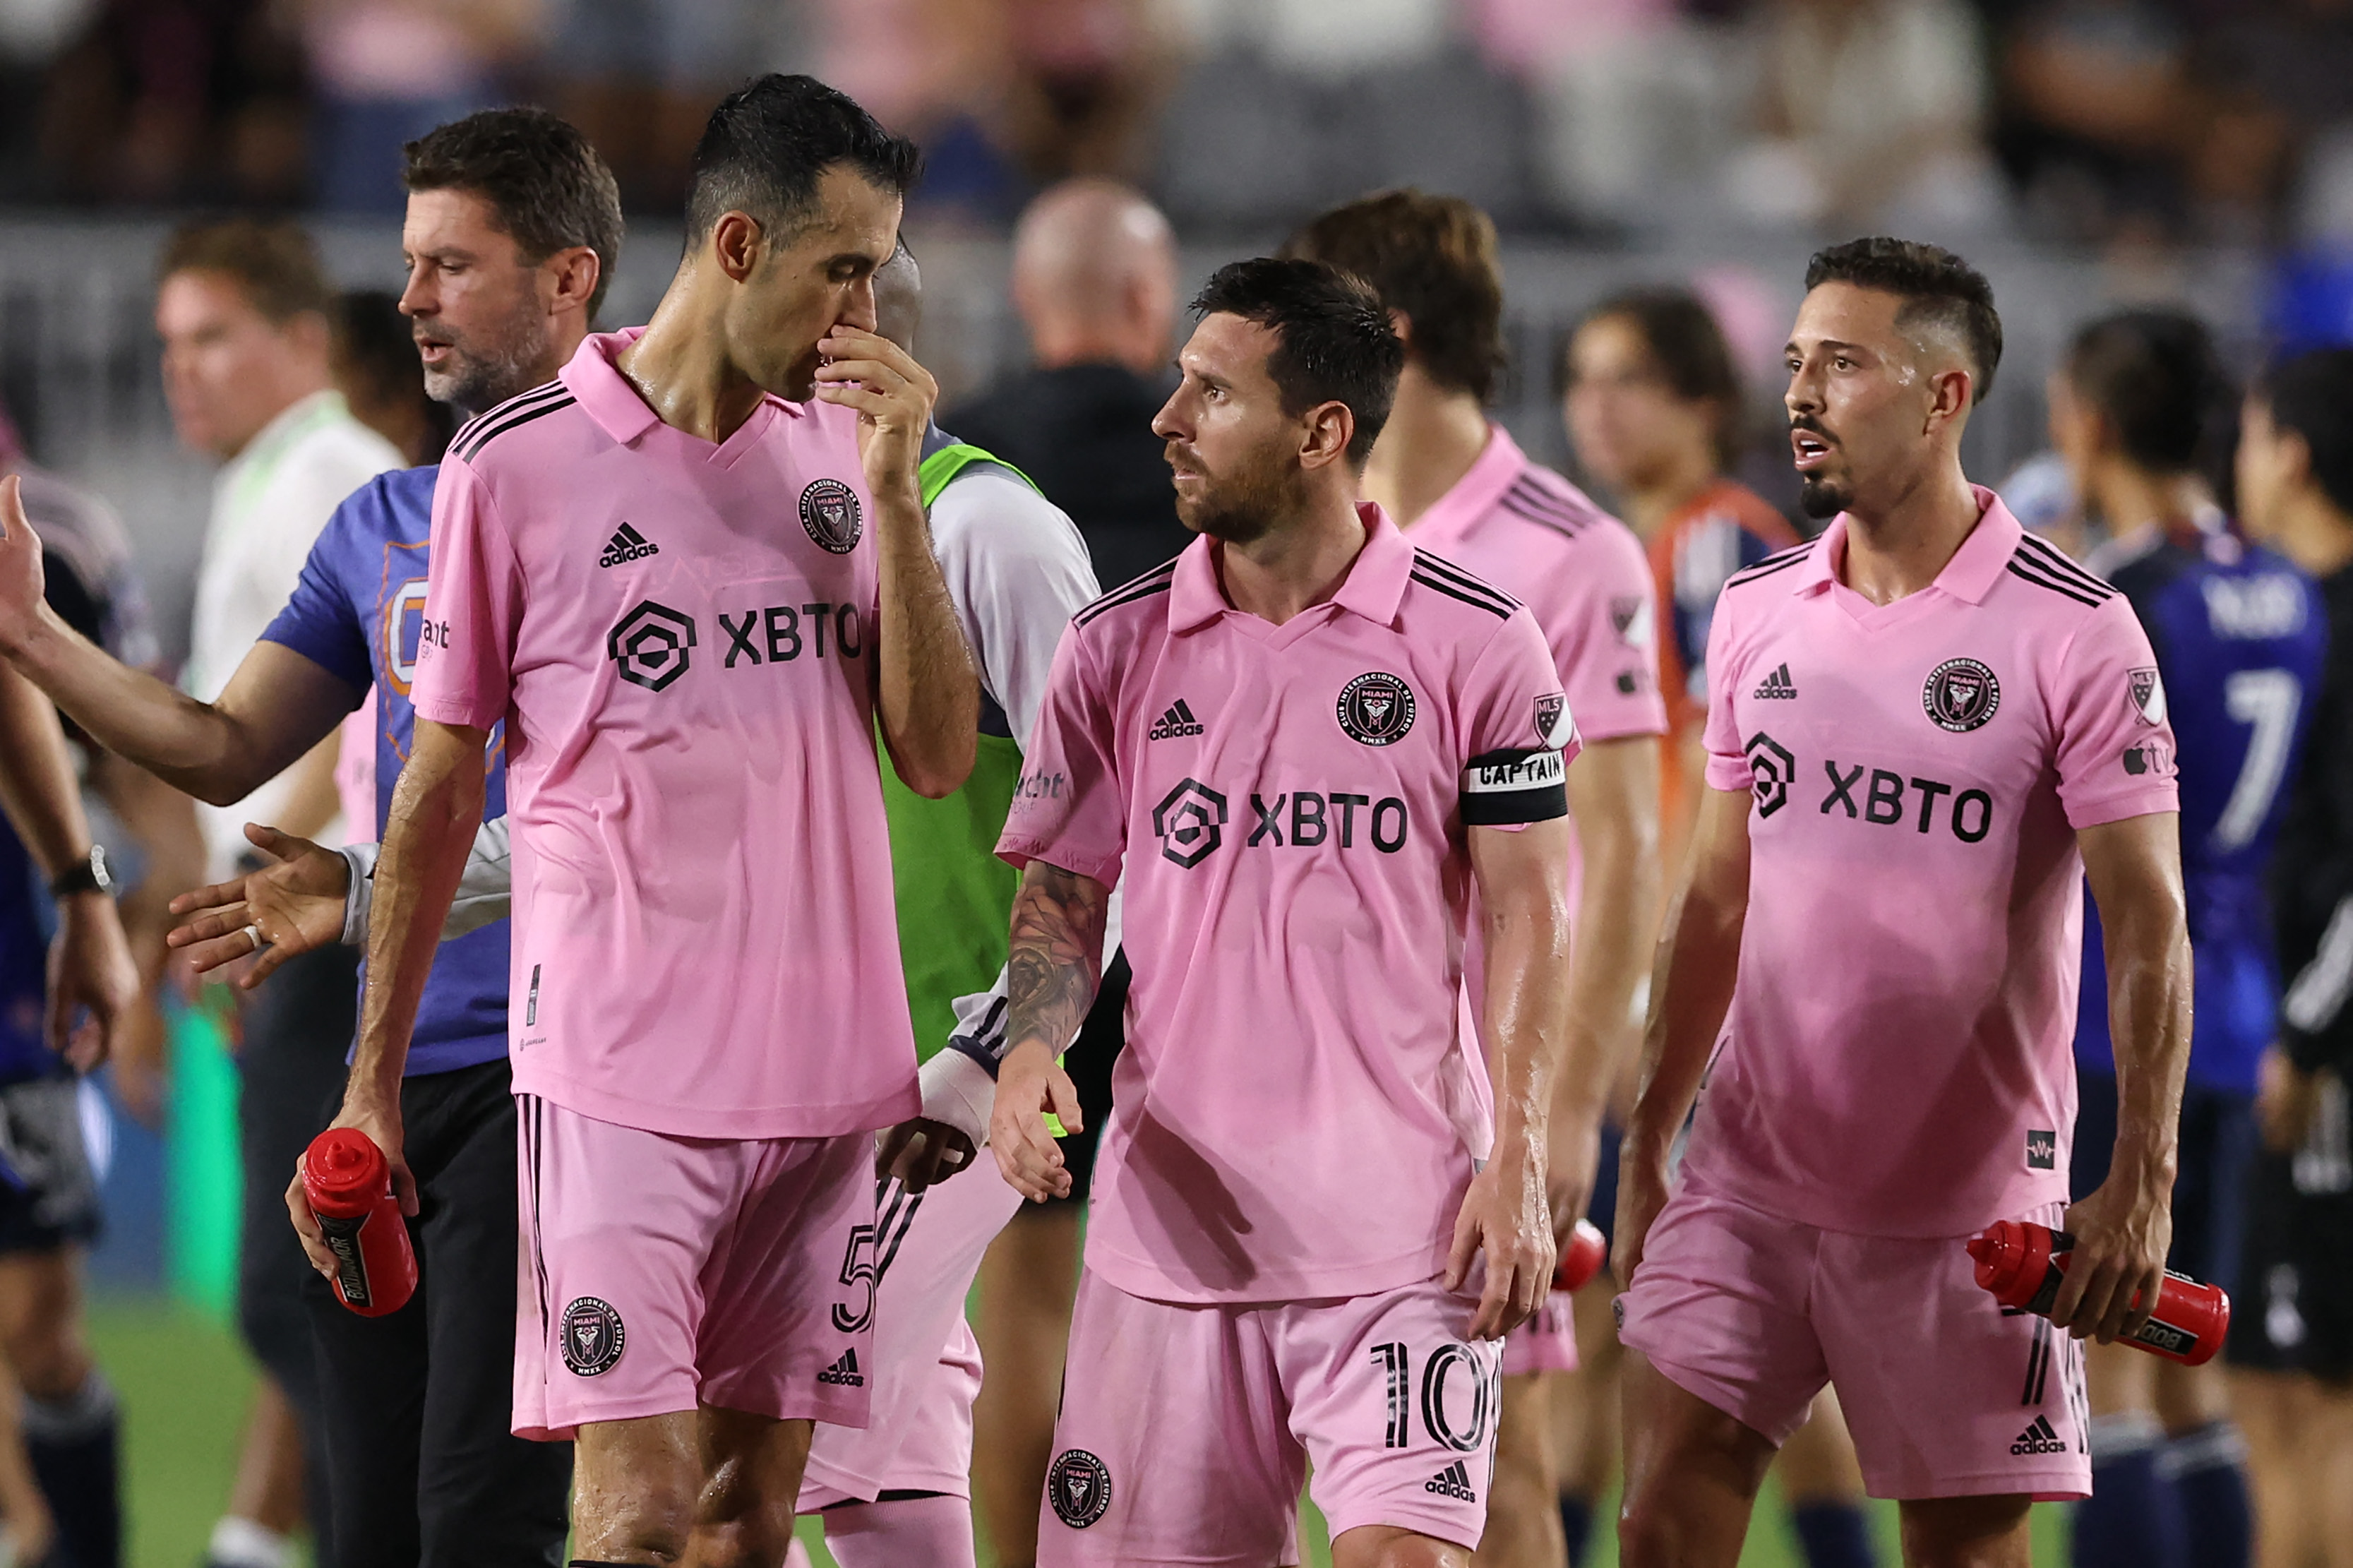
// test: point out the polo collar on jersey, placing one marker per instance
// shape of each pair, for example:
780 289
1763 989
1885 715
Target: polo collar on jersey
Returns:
606 396
1969 576
1499 464
1373 588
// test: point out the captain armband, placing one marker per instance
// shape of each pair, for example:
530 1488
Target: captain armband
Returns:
1507 788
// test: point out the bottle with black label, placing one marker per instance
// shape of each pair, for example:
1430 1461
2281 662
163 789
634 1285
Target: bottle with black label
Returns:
348 1184
2023 1264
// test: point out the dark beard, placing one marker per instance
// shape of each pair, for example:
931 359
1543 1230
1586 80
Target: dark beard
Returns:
1821 499
486 376
1246 508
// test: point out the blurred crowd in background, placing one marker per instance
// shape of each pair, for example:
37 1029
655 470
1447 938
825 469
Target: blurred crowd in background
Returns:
2082 122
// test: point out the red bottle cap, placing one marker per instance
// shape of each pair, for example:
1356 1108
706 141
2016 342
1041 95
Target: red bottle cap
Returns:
345 1174
1582 1259
2011 1258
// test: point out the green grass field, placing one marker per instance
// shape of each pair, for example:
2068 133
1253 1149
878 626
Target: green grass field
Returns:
185 1382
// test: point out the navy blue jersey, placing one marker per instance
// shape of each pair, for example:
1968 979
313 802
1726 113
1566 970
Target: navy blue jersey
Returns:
357 611
2240 634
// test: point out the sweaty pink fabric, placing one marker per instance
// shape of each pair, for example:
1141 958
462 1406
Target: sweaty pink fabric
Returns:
1290 803
681 638
1896 1059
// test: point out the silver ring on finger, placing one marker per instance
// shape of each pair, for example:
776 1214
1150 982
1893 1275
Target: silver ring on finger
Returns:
254 933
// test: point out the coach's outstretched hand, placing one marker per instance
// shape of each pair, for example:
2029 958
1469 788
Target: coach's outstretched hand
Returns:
288 907
22 580
2122 1233
893 396
1507 1216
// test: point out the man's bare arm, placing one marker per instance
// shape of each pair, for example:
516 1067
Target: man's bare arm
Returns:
1691 990
1613 799
1522 877
1052 973
275 707
2123 1230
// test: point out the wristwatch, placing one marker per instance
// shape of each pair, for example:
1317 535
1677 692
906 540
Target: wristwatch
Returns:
88 876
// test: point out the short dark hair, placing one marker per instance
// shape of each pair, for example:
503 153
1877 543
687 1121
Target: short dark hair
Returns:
1934 284
275 263
1684 335
1334 342
2156 378
768 142
1434 259
2311 393
546 187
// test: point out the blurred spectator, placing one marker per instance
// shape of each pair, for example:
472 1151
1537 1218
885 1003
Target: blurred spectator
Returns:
1087 76
177 100
1094 279
2282 72
938 70
1868 114
374 357
386 71
640 77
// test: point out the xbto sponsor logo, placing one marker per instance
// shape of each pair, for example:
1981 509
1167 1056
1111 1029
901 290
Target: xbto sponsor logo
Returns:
1883 803
1311 821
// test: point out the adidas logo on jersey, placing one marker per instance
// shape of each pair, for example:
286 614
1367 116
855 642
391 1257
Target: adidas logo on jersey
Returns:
1776 684
2039 1438
626 545
1175 724
1453 1482
844 1373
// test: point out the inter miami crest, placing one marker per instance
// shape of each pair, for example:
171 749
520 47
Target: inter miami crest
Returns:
829 511
1961 695
1079 1488
592 1335
1376 709
2148 694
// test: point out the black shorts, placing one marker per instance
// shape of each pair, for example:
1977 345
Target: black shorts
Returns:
2296 1313
2210 1190
49 1193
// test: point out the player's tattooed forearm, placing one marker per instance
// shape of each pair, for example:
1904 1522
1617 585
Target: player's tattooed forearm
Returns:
1057 954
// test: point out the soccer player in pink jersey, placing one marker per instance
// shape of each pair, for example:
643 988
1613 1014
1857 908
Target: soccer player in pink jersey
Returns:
1460 486
693 577
1310 744
1924 730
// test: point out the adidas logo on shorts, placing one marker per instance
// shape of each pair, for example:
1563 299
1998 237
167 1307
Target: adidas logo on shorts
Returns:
626 545
1175 724
1453 1482
844 1373
1776 684
2039 1438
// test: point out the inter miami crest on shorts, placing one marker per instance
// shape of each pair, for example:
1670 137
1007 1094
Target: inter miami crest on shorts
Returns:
829 511
592 1336
1376 709
1079 1488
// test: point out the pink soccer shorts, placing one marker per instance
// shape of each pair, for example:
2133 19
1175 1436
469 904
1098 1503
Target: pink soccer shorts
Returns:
1186 1431
1546 1343
661 1273
1947 1395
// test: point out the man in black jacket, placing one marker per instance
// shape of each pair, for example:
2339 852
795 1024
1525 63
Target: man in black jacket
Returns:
2292 1338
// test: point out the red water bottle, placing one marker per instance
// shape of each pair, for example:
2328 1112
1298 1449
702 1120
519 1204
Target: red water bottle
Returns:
348 1184
1582 1259
2022 1263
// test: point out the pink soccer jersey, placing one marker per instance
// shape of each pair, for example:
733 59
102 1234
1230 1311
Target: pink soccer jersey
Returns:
1896 1058
1580 570
1292 802
681 638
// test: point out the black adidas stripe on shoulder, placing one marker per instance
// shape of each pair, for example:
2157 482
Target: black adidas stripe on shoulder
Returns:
2055 562
1160 580
1780 561
1530 499
509 416
1441 585
2024 573
482 421
1440 567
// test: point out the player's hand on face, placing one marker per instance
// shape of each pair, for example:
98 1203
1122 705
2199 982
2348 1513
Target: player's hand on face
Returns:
920 1153
1030 1084
292 906
21 576
1507 1219
2122 1234
93 983
892 394
1642 1194
2286 1098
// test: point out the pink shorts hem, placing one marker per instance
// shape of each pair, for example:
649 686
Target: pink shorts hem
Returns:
1338 1522
1722 1396
565 1431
